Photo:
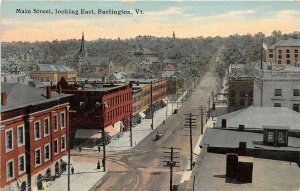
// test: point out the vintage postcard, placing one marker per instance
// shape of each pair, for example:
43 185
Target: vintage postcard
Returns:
137 95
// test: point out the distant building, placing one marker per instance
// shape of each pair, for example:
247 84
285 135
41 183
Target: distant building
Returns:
34 136
118 76
277 87
240 88
92 66
284 52
137 104
53 73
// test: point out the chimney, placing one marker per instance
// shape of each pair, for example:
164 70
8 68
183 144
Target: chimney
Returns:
48 93
59 89
273 40
3 98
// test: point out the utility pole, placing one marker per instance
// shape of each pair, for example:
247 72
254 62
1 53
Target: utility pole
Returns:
190 122
130 131
104 139
69 154
201 115
171 163
176 92
151 99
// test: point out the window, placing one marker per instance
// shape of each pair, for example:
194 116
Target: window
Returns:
21 164
277 92
242 102
62 120
271 136
9 140
232 93
55 123
296 56
270 55
55 146
277 104
280 51
296 92
288 56
47 152
63 143
37 157
288 62
242 93
280 137
9 170
46 127
296 51
296 107
279 56
279 61
37 130
21 136
287 51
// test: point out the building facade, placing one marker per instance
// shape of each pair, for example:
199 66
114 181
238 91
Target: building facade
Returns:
53 73
277 87
240 93
34 136
284 52
99 105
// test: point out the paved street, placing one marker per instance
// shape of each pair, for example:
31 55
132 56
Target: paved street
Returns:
142 167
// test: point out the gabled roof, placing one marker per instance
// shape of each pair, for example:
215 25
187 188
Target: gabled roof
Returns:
95 61
19 96
257 117
54 68
291 42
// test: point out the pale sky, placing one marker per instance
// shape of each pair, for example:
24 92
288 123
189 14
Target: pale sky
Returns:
160 18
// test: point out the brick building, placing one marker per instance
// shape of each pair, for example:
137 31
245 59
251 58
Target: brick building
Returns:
284 52
159 92
240 93
33 134
97 105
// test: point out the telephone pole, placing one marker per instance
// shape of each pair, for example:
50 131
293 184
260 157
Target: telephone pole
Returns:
171 163
201 113
151 99
191 122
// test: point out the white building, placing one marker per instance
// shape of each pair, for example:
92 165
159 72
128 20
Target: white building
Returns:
277 86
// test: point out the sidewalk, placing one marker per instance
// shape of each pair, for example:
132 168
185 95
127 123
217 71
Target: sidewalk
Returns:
140 131
85 175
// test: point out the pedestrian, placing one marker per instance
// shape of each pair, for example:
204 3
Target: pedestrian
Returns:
72 170
102 162
79 148
98 165
99 149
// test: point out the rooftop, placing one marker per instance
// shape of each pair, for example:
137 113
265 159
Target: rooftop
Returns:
211 175
224 138
97 60
257 117
54 68
19 96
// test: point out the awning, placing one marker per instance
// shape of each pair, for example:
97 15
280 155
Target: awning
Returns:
88 134
111 131
142 115
165 101
117 126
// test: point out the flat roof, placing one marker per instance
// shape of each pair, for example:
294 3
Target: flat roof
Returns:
224 138
268 175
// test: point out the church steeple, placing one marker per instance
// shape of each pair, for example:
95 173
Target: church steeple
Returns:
82 42
173 35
